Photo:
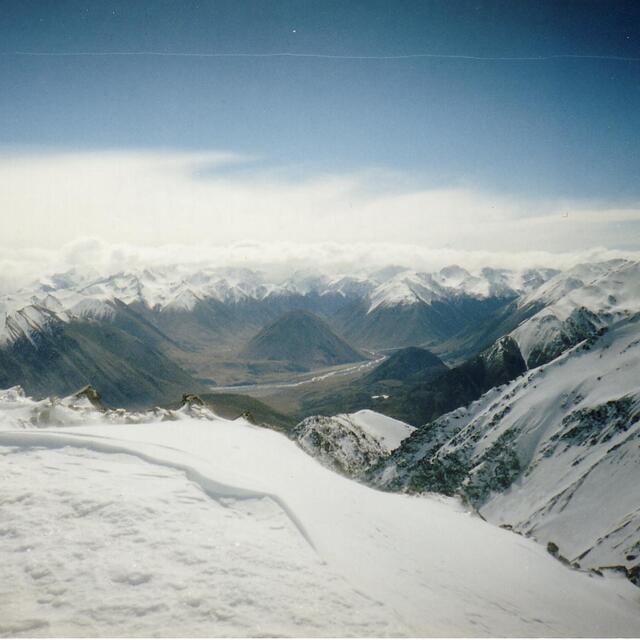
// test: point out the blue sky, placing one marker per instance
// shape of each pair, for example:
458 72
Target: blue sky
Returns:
531 131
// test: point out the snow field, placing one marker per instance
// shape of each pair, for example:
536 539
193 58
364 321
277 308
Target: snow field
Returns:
357 560
107 544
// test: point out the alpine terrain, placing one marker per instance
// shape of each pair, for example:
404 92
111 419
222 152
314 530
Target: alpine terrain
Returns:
182 521
319 319
476 475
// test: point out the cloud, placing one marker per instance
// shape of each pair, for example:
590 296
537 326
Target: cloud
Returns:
113 208
277 260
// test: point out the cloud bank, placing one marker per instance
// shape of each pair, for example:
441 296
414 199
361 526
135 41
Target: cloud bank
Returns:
114 209
277 260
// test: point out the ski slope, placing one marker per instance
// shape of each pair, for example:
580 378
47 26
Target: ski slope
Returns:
220 528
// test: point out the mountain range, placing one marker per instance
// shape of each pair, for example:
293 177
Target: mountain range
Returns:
190 326
515 391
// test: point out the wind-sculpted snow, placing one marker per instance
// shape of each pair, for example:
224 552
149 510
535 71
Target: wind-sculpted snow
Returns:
554 454
100 544
216 527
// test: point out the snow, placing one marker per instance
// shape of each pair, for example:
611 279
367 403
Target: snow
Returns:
562 284
106 543
579 497
93 308
350 443
389 432
573 427
184 301
178 288
406 289
348 286
26 321
217 527
611 290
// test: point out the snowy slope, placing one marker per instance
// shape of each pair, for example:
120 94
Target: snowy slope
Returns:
388 432
27 321
408 288
97 545
554 454
574 304
215 527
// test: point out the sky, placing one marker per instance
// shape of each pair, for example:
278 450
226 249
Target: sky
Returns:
448 125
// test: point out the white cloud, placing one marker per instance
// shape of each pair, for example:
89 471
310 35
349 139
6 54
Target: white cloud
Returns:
278 260
173 206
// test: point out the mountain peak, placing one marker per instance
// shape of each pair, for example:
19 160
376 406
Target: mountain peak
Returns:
302 339
408 363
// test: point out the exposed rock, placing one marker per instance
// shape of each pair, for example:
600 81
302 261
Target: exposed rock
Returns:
339 444
92 395
191 399
554 550
249 417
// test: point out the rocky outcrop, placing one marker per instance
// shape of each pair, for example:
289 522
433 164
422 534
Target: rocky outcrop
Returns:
191 399
339 444
92 395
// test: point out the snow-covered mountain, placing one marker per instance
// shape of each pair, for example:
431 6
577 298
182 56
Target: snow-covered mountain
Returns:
209 527
409 288
554 454
193 322
574 304
179 289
